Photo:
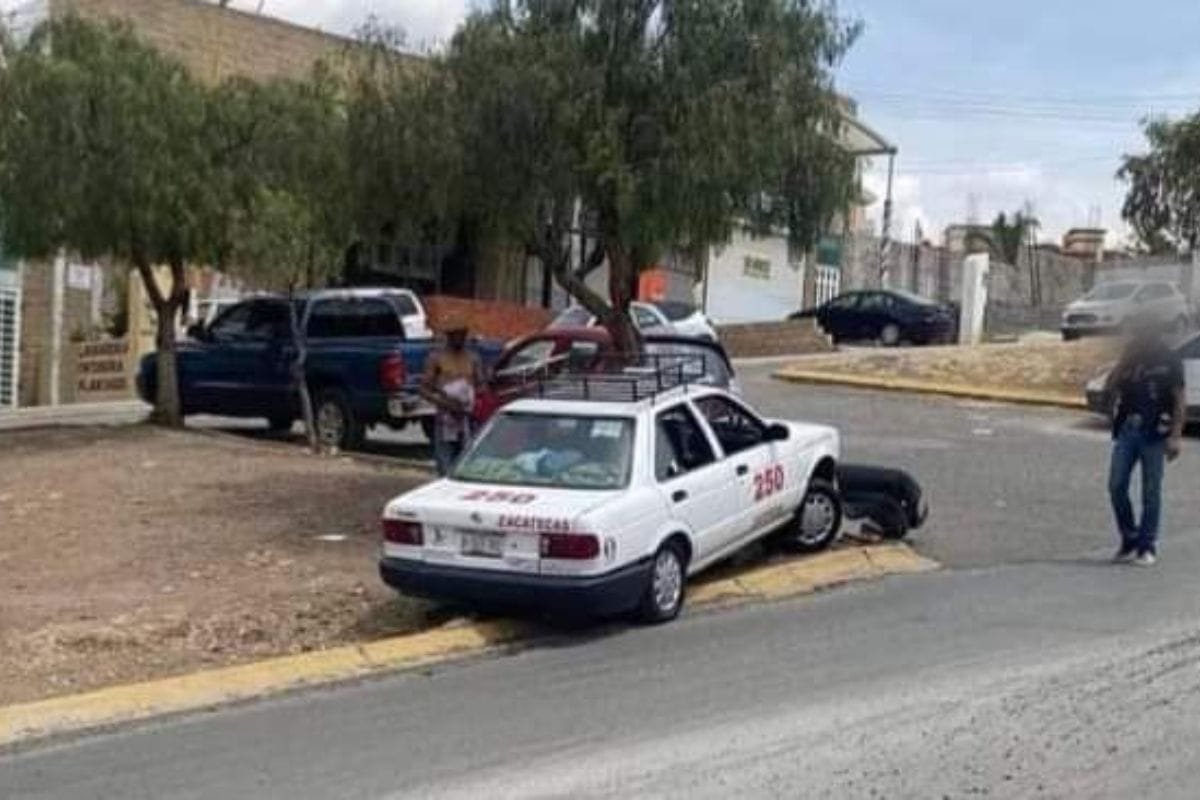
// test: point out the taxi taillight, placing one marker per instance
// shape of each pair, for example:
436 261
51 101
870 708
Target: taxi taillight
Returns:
398 531
570 546
392 372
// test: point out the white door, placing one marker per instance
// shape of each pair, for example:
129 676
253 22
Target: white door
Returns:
764 480
696 485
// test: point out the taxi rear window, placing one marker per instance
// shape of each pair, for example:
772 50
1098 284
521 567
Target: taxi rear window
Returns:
557 451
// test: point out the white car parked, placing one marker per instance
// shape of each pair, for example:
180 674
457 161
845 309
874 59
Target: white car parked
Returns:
665 317
603 496
1110 306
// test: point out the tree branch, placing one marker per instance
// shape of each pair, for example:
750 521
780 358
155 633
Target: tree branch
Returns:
593 262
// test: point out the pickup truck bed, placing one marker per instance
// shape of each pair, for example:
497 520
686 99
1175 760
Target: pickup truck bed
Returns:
356 381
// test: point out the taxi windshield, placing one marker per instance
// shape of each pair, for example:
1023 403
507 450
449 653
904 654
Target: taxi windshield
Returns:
558 451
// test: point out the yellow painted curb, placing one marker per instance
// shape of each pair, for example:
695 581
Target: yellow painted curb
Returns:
1033 398
199 690
806 575
141 701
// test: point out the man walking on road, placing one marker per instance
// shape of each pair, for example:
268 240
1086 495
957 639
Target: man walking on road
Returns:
1151 406
452 377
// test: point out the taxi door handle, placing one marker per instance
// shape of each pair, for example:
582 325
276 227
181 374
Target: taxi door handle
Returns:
743 470
679 496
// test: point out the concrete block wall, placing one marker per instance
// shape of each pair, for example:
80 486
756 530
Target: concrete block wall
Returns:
33 382
216 43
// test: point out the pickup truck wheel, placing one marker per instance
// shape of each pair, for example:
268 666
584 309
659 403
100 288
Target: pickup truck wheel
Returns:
335 420
818 520
666 586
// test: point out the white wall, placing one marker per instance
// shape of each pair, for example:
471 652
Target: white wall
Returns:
734 296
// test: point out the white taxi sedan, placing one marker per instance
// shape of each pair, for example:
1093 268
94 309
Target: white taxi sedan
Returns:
605 506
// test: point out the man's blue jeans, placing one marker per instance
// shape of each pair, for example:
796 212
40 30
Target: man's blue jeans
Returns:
1132 447
446 451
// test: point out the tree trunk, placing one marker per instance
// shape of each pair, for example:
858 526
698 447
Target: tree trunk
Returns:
621 277
167 407
168 410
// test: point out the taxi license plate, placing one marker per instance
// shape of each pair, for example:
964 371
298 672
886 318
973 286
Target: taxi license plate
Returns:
487 545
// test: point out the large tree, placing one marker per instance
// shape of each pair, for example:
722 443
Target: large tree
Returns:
1162 203
281 157
653 124
105 151
406 157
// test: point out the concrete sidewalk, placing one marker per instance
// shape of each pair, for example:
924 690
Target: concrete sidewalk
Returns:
118 413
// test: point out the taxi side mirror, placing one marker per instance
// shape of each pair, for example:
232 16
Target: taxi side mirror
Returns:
778 433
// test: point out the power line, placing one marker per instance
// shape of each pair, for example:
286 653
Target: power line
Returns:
1009 98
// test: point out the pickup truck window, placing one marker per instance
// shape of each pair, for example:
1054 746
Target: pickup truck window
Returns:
346 318
232 324
253 321
405 305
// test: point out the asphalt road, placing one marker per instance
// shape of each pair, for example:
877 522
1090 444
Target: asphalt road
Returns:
1029 667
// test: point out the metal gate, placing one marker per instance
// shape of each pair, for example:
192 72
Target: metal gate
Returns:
10 336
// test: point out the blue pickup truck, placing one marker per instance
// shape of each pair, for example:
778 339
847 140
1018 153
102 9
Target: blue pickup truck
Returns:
361 369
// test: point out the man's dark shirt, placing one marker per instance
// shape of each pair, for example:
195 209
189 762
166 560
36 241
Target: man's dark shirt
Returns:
1146 395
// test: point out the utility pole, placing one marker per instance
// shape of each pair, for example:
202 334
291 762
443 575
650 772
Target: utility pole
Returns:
885 241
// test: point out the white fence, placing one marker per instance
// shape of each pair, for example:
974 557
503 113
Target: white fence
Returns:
828 284
10 336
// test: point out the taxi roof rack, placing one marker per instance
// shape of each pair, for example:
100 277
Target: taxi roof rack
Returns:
623 379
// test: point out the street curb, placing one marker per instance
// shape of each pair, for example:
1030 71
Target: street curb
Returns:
27 722
1052 399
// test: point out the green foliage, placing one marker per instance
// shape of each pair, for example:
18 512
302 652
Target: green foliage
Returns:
102 149
405 154
1162 203
1008 237
670 121
281 163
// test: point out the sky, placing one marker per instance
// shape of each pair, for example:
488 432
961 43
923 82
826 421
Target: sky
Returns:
993 106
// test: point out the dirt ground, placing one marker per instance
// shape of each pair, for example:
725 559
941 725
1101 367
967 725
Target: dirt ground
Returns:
1044 366
133 553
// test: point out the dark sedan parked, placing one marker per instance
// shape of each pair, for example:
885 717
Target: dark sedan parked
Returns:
889 317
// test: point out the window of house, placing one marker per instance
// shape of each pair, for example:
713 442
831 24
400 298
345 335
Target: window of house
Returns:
757 267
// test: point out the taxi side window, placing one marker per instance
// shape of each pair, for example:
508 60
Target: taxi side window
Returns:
680 445
735 428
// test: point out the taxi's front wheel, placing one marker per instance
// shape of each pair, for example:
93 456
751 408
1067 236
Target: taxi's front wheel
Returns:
818 521
666 585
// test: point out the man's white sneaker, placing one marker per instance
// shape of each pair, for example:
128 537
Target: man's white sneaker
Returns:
1145 560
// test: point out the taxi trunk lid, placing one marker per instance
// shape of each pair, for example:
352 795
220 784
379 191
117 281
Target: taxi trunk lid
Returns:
492 527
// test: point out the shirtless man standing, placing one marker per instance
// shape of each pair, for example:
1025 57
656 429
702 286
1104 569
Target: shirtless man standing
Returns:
452 377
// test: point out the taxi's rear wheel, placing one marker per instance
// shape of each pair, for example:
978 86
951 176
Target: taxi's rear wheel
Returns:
819 519
666 586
